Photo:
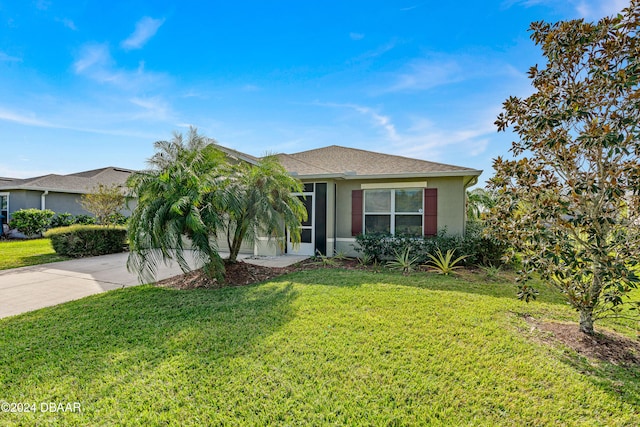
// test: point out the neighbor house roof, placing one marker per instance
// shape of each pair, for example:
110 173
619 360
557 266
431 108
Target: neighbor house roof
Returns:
80 183
352 163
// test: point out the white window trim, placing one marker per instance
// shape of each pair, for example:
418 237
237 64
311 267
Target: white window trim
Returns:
7 196
392 214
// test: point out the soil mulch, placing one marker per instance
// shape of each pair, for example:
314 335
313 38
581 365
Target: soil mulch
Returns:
242 273
605 346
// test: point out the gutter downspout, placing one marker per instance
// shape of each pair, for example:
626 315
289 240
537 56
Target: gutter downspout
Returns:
43 202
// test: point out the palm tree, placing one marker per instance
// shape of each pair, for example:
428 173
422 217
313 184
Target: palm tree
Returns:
265 205
182 195
479 201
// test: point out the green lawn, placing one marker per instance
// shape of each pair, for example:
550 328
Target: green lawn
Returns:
21 253
323 347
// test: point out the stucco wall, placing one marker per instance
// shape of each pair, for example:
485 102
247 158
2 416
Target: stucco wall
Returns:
451 207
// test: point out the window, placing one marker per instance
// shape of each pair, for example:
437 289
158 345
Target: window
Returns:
4 207
393 211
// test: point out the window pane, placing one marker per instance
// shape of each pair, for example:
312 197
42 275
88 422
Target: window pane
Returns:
308 204
408 200
377 224
308 188
305 235
377 201
409 224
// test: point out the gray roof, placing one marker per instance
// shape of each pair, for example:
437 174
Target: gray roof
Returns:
79 183
352 163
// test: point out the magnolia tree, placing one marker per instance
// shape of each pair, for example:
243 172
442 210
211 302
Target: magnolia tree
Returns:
568 200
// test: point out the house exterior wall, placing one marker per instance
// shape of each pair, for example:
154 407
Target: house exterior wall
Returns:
57 202
451 207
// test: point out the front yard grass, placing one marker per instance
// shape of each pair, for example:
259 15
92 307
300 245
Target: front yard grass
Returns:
22 253
319 347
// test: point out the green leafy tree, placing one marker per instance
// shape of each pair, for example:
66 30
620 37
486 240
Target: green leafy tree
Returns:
182 195
31 222
105 202
264 205
568 201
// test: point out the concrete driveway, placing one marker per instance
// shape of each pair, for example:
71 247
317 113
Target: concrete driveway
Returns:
30 288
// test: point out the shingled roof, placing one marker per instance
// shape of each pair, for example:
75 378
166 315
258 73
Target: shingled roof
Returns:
352 163
80 183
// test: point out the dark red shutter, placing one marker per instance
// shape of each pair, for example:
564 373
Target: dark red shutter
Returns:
430 211
356 212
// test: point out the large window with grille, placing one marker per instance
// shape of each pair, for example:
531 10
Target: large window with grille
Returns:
395 211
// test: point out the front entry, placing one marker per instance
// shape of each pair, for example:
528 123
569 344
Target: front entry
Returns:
307 244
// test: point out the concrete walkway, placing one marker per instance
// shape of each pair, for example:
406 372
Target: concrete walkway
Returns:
30 288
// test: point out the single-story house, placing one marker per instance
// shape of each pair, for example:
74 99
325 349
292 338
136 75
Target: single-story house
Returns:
59 193
350 191
347 191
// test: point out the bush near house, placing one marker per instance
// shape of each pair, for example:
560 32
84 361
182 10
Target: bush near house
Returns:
31 222
478 249
79 241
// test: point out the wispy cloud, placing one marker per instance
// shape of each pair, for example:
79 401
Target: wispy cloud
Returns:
145 29
379 51
596 9
423 74
95 62
154 108
67 23
378 120
356 36
587 9
8 58
23 119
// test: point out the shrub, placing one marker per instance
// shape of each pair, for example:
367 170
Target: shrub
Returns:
31 222
62 220
478 249
79 241
84 220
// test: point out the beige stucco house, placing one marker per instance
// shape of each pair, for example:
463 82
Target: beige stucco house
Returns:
349 191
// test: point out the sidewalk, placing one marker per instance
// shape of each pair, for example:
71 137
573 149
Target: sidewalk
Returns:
30 288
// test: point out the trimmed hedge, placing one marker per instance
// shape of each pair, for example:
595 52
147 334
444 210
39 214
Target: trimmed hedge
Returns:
78 241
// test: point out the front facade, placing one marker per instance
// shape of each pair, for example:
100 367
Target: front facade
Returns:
348 192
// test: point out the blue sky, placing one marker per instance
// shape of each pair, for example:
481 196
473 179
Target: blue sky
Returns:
86 84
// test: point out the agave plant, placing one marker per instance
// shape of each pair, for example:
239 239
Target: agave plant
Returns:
404 262
444 263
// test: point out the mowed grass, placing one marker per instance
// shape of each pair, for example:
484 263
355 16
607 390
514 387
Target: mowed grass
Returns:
324 347
21 253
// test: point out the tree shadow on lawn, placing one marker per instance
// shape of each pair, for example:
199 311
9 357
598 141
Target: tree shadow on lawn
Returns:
96 346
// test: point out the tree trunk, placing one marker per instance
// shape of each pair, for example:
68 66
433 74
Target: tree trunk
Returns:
586 321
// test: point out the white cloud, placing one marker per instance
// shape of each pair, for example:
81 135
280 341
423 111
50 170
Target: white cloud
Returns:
21 118
153 108
95 62
92 57
596 9
68 23
8 58
145 29
356 36
424 74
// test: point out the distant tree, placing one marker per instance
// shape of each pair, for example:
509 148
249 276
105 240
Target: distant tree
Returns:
568 202
479 201
104 201
264 204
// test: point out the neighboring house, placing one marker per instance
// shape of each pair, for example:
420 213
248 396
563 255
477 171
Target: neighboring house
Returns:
60 193
349 191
